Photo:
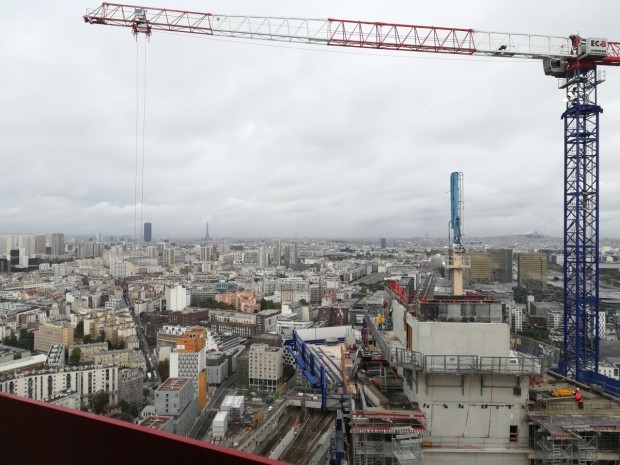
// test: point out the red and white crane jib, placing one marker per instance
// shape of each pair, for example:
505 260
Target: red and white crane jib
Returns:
348 33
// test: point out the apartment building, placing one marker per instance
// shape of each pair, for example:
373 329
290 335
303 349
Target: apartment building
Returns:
45 383
265 366
52 333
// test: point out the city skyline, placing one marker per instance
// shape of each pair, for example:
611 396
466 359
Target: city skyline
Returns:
274 140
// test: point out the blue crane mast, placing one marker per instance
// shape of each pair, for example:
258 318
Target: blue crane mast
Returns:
456 207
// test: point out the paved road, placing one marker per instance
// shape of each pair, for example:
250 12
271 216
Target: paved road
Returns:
199 431
151 363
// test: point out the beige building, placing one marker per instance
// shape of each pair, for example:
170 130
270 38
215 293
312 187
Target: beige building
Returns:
501 265
479 270
52 333
532 270
88 351
168 257
265 367
123 358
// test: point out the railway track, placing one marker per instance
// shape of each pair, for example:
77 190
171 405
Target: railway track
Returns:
275 437
306 443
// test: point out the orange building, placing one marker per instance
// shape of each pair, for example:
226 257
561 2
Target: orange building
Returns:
244 301
193 340
202 389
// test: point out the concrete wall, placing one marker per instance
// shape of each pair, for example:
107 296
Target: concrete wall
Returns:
183 423
482 339
458 412
474 457
283 444
399 316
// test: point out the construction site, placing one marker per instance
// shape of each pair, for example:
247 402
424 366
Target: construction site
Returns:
438 378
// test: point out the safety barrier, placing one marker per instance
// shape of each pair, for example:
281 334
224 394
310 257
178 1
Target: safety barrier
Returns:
461 364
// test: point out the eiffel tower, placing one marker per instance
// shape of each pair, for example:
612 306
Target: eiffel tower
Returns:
207 237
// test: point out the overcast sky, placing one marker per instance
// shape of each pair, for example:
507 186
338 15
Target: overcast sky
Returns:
263 139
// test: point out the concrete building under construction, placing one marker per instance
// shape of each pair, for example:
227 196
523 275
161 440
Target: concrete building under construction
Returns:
477 395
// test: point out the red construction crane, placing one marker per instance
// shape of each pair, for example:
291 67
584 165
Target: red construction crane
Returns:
573 59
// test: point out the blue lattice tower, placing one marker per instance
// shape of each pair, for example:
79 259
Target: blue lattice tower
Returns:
581 225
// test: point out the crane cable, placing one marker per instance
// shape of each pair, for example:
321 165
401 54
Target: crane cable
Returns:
138 168
135 184
143 139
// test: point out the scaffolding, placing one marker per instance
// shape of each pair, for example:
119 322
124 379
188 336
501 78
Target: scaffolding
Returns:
387 438
407 450
370 449
574 440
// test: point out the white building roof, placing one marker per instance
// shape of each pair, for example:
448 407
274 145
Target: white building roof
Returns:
23 363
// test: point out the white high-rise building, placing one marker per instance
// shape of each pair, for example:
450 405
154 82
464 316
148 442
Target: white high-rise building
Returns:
555 319
177 298
263 257
39 244
118 267
7 243
516 319
58 244
168 257
23 258
185 364
205 253
26 242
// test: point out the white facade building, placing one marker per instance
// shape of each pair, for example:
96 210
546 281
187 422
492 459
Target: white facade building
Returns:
177 298
265 366
516 319
187 365
609 370
46 383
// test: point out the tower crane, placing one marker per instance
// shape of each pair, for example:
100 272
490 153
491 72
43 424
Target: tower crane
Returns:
575 60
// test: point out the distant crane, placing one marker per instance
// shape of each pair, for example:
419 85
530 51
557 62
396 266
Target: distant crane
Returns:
573 59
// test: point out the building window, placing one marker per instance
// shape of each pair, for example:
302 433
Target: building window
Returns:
514 433
516 391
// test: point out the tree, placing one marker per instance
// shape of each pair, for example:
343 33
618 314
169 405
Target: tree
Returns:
163 368
268 304
10 341
26 340
303 301
211 303
121 344
79 330
76 355
99 402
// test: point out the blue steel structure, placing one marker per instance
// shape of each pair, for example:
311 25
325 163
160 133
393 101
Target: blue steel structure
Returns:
456 206
581 223
312 366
